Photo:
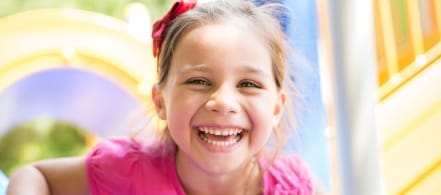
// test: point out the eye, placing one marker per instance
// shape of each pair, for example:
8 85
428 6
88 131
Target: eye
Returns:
249 84
197 81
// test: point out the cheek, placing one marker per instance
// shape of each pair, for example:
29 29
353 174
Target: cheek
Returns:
263 106
178 124
180 110
262 114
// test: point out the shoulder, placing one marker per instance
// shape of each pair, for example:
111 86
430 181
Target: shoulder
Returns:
286 175
118 164
116 152
114 148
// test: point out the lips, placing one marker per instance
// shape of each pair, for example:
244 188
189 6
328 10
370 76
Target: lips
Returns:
220 137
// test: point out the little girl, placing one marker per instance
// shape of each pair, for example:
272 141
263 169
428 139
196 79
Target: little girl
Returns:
221 93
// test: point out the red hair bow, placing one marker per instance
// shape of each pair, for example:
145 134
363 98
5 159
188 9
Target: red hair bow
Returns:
159 26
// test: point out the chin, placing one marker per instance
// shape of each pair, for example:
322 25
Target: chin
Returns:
223 165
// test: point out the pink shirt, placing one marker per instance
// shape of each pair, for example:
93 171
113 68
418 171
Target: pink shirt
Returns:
122 166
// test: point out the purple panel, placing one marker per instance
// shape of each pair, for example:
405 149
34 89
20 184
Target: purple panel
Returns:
83 98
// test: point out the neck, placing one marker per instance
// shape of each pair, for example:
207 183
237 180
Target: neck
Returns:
246 179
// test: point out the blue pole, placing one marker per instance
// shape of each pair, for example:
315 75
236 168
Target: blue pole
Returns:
302 30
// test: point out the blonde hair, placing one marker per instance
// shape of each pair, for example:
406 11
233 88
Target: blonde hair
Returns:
261 19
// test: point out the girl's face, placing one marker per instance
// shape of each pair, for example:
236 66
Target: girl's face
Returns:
220 100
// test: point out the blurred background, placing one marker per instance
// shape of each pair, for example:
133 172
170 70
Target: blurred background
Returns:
71 72
75 71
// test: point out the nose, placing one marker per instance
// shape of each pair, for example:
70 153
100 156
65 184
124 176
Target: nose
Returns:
223 100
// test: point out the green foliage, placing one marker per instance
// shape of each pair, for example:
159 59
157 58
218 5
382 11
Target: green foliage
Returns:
38 140
115 8
157 8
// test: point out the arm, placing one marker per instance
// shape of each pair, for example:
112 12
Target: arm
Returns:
56 176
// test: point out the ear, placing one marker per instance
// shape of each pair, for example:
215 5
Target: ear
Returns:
158 100
278 109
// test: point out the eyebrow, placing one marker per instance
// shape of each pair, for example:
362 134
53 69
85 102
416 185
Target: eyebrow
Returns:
193 67
250 69
205 68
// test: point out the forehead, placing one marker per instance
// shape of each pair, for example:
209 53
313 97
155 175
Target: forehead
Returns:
229 29
222 44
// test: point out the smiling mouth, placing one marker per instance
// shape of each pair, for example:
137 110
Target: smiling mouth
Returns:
221 137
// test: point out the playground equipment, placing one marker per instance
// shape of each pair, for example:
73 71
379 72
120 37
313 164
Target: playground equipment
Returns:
97 48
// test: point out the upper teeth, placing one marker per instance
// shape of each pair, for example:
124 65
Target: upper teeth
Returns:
223 132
